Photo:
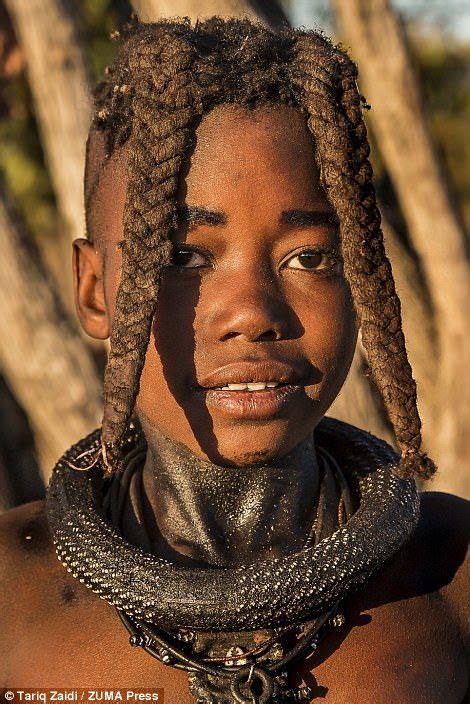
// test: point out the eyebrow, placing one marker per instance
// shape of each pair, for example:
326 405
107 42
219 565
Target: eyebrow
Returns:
198 215
308 218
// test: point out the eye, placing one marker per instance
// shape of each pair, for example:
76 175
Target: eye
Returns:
313 260
187 258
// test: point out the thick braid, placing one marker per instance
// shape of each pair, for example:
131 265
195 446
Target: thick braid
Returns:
163 108
327 78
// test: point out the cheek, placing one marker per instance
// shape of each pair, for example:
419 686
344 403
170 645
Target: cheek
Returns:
174 328
161 397
169 362
172 344
329 320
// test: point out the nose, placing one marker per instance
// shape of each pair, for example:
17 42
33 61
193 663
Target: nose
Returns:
253 309
250 323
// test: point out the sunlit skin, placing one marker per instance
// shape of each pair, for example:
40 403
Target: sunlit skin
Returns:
239 292
245 300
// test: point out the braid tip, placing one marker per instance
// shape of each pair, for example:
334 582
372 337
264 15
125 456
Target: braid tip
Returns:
415 464
107 455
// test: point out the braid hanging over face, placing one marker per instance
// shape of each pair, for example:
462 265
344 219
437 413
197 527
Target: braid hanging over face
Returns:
165 77
164 103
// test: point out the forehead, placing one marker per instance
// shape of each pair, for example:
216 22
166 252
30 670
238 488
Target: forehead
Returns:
237 152
278 125
243 151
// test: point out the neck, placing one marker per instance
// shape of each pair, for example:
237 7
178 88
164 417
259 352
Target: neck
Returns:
197 513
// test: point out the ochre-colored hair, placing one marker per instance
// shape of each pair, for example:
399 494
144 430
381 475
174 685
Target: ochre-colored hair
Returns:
165 77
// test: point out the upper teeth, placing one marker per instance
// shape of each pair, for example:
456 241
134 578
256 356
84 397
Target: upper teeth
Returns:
250 386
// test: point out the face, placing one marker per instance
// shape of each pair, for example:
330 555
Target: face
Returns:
255 329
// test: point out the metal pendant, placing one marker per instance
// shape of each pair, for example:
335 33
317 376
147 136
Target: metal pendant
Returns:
250 685
244 667
248 682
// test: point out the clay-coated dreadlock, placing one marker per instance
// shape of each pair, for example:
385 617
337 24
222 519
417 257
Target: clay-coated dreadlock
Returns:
164 78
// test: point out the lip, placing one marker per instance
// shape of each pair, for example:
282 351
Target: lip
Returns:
244 372
253 405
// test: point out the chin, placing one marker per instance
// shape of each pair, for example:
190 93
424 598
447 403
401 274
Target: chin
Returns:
251 458
253 446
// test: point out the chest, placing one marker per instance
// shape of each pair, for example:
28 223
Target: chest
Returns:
406 651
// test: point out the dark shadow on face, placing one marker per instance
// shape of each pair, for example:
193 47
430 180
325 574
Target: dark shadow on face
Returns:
183 337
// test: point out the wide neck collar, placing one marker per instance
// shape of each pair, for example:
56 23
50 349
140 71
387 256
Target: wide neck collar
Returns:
264 594
196 513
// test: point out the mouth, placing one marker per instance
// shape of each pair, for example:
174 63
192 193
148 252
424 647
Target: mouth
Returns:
248 386
252 391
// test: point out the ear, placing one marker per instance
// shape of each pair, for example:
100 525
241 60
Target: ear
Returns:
89 289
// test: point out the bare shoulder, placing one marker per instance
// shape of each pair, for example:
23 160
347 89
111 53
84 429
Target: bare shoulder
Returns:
432 566
26 560
404 632
442 539
444 526
441 511
437 549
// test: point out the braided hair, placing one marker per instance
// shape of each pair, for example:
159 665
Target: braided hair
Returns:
165 77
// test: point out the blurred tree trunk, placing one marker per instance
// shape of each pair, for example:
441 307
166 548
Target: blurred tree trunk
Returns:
261 10
378 43
46 31
42 355
48 366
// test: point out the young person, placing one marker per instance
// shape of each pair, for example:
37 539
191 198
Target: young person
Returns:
229 527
